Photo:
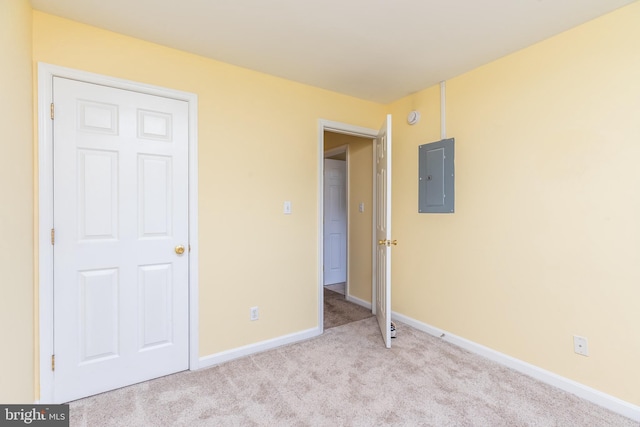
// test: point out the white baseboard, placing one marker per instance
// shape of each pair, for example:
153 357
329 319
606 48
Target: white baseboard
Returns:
359 301
612 403
225 356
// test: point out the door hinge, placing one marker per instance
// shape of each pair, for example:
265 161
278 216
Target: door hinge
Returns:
52 111
53 362
53 236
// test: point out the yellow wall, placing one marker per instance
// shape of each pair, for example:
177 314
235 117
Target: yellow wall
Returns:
258 147
543 245
360 223
545 240
16 209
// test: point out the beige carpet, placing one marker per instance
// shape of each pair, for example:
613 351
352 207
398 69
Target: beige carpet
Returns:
338 311
346 378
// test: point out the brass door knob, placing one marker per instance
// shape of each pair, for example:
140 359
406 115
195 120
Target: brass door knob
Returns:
382 242
179 249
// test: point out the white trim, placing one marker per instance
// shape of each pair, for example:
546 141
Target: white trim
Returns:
46 72
247 350
347 129
359 301
607 401
45 223
335 151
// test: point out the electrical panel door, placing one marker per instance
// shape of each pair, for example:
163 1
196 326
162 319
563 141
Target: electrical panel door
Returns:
436 177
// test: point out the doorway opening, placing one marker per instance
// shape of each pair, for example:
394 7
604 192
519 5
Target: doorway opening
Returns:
346 232
347 229
336 200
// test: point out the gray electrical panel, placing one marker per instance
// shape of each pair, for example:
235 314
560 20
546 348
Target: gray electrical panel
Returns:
436 177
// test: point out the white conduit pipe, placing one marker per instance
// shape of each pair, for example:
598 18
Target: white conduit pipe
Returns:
443 110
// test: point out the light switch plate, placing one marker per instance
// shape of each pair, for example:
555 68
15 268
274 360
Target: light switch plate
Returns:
287 208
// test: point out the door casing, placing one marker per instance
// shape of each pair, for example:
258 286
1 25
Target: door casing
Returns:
347 129
44 335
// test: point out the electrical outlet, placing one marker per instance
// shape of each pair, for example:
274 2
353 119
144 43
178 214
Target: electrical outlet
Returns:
580 345
253 313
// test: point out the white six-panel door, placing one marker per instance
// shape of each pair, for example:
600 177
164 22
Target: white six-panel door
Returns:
335 221
120 217
383 231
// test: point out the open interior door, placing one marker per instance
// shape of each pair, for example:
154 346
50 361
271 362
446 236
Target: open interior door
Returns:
383 230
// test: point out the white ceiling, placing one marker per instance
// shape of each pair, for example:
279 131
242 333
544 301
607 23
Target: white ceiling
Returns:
379 50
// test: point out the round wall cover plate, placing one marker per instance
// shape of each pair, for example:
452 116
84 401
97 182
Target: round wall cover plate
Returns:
413 117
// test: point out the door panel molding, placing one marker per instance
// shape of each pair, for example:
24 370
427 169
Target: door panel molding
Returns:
46 73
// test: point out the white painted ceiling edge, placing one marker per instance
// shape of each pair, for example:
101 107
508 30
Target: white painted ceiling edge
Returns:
378 50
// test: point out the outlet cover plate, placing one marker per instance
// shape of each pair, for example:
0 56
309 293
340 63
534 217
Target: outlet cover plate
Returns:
580 345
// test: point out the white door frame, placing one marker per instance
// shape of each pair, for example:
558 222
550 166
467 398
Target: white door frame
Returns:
46 73
347 129
335 151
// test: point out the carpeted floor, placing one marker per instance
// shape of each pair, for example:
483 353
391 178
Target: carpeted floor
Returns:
338 311
346 377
